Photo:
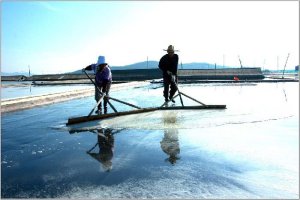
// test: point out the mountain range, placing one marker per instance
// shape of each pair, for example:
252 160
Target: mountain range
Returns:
142 65
15 73
154 65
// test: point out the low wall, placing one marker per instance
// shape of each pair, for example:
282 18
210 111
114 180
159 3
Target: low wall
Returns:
221 74
14 78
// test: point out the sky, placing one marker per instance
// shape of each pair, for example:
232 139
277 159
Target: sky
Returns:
64 36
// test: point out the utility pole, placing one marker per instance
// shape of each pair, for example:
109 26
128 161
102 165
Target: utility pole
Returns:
277 63
264 64
285 64
240 62
29 70
215 70
147 69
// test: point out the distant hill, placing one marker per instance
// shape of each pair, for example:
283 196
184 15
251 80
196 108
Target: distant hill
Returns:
154 64
196 65
280 71
14 73
140 65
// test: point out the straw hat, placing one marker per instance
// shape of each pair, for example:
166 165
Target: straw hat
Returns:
170 49
101 60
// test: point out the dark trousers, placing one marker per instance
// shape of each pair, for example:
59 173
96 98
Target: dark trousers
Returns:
169 84
104 88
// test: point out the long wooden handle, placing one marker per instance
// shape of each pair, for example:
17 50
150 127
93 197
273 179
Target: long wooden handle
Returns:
129 104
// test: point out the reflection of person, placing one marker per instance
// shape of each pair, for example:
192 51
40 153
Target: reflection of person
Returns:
170 141
106 149
169 64
103 79
170 145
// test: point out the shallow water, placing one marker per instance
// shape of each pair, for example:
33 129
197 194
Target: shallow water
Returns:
249 150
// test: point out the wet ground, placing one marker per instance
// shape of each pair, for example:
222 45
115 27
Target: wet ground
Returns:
249 150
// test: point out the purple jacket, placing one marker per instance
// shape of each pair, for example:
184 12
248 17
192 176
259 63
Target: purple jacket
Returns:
103 76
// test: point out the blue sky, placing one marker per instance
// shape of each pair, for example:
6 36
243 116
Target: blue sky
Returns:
63 36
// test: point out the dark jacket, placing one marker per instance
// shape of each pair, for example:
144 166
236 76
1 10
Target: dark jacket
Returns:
168 63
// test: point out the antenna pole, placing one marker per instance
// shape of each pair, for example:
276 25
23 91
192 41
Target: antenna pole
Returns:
264 64
285 64
240 62
29 70
147 69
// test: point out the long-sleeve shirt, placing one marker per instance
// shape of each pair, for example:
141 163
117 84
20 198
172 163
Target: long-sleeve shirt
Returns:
101 76
168 63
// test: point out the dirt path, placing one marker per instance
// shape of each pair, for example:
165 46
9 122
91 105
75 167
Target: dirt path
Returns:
15 104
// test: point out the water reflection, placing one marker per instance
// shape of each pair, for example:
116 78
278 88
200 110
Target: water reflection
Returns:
105 143
170 145
284 94
170 141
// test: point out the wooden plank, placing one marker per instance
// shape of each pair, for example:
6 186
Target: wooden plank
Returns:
97 104
76 120
105 116
101 93
192 98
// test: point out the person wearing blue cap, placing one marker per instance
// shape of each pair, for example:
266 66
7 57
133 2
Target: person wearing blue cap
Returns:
103 79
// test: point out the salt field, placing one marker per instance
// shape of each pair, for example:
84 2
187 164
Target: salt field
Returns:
248 150
11 89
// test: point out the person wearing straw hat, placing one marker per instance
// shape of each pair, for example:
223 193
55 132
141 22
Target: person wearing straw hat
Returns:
169 64
103 79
